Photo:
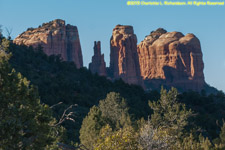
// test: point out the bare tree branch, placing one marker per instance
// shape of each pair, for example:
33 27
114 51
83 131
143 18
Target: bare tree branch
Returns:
0 28
9 32
67 115
55 105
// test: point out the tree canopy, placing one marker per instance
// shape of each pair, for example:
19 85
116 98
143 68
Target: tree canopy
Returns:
25 122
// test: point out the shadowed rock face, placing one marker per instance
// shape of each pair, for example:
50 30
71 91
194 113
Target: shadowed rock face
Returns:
171 59
162 58
56 38
98 64
124 62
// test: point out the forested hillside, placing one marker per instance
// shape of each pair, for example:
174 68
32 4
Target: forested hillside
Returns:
109 115
59 81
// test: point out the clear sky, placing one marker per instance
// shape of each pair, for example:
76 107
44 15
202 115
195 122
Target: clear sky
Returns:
95 20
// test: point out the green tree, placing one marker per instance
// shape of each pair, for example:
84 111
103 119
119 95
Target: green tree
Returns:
112 110
220 142
152 139
222 135
24 122
122 139
115 110
91 127
170 116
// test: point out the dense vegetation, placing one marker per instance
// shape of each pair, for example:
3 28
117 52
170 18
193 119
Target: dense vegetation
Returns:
171 126
59 81
108 115
25 123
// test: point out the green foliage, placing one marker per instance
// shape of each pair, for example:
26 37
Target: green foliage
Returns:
4 56
222 134
115 110
152 139
91 127
209 111
169 114
190 143
220 141
167 128
124 138
59 81
25 123
112 110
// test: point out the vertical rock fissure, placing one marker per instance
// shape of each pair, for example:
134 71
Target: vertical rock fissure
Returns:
56 38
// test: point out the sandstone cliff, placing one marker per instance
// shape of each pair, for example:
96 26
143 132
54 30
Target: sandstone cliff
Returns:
98 63
171 59
124 62
56 38
162 58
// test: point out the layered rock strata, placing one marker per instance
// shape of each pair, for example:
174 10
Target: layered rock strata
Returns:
56 38
171 59
124 62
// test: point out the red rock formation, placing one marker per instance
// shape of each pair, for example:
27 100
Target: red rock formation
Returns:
98 64
171 59
56 38
124 61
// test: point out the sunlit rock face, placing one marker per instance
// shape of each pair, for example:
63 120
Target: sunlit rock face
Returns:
171 59
97 64
124 62
56 38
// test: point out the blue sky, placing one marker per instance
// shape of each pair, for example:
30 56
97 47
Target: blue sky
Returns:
95 20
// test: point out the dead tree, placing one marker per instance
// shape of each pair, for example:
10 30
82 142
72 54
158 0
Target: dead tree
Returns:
67 114
9 32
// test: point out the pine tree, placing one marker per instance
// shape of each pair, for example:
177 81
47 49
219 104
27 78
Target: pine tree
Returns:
24 122
222 134
220 142
169 116
112 110
122 139
91 127
115 110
